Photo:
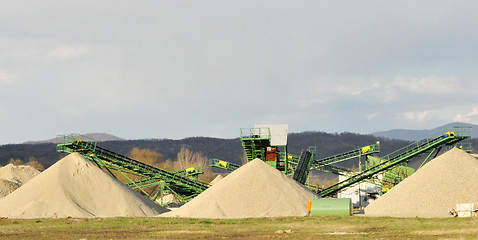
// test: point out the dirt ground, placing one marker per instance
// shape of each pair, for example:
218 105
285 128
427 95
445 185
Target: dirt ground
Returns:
256 228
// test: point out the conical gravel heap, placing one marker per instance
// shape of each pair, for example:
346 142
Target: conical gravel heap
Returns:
254 190
433 190
74 187
216 179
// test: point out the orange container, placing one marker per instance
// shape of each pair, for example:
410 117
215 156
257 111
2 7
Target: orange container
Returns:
271 156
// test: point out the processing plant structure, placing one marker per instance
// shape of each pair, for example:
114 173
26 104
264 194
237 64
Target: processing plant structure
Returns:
268 143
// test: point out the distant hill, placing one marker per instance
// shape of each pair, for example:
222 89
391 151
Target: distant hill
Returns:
231 150
226 149
414 135
99 137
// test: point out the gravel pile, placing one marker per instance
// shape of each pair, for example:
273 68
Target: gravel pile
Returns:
254 190
19 174
433 190
7 187
12 177
74 187
216 179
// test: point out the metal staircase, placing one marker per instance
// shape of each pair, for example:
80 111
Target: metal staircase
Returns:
255 141
183 184
401 156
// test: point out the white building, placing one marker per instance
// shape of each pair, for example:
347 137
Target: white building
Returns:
362 194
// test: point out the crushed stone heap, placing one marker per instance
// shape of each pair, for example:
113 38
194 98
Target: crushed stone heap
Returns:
433 190
12 177
74 187
254 190
7 187
19 174
216 179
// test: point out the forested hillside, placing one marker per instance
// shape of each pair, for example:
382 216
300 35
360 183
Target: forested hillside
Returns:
226 149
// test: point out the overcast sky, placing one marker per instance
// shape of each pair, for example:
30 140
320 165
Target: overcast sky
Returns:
176 69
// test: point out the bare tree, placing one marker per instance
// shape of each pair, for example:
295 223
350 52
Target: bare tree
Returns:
32 162
16 162
146 156
187 158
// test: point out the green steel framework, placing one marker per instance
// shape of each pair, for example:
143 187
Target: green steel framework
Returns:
390 177
154 182
328 163
300 172
183 184
214 162
255 141
403 155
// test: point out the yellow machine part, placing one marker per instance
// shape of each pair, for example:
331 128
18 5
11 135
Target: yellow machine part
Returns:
223 163
366 149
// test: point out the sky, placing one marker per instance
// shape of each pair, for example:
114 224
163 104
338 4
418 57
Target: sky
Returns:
177 69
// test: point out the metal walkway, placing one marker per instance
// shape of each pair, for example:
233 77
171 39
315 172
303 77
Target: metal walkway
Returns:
327 164
214 162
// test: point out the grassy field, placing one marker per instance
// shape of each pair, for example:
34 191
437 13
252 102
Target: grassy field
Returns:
263 228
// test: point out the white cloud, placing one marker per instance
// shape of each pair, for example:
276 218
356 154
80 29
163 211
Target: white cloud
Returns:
6 77
372 115
403 89
68 52
428 85
471 117
418 115
309 102
355 88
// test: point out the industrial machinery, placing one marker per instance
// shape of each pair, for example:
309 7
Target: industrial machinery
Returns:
431 146
327 164
151 181
214 162
269 143
302 169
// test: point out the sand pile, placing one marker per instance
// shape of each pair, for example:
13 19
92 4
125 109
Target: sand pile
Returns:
216 179
433 190
12 177
254 190
75 187
7 187
169 198
19 174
